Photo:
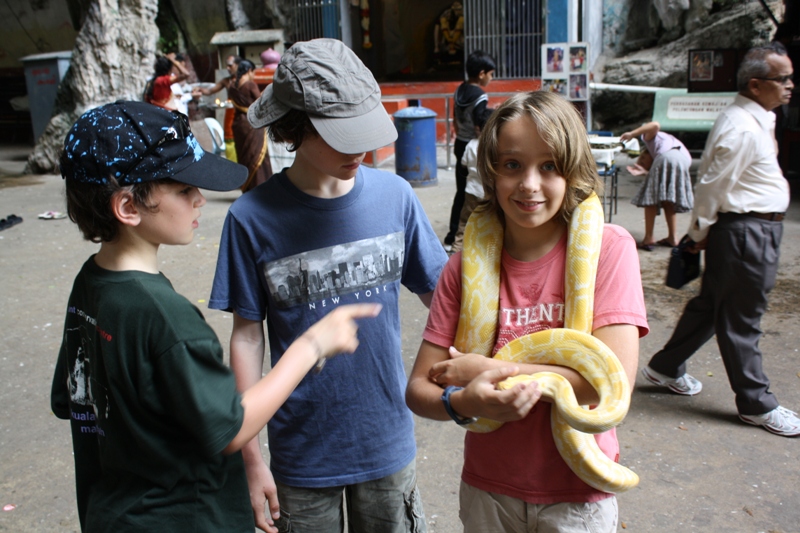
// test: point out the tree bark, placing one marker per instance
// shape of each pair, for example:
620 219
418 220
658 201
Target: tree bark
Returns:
112 60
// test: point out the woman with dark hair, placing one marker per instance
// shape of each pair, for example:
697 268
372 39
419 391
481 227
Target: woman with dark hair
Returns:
251 143
168 70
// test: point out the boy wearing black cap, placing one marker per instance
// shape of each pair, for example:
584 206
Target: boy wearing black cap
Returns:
322 233
156 420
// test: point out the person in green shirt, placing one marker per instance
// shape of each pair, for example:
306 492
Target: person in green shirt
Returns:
157 423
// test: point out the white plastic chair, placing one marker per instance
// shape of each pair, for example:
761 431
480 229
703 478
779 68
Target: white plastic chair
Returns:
279 156
217 135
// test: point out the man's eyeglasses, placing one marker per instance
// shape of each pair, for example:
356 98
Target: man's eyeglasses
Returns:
783 80
178 131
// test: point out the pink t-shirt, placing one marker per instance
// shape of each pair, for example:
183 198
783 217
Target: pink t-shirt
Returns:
520 459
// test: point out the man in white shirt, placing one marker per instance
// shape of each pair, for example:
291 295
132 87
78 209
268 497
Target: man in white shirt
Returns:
740 200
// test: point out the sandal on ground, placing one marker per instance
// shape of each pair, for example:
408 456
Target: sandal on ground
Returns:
645 247
665 243
10 220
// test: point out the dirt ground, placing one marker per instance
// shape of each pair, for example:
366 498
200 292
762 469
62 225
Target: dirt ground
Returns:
700 468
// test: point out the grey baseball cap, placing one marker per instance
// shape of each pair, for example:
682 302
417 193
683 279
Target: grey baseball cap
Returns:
326 79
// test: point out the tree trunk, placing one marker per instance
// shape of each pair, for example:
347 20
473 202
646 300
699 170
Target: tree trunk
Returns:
112 60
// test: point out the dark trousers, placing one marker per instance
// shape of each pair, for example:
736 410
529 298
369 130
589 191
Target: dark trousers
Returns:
461 186
741 265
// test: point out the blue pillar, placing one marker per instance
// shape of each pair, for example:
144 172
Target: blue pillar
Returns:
330 19
557 21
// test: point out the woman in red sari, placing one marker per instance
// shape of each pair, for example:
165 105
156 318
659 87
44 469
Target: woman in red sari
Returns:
168 70
251 143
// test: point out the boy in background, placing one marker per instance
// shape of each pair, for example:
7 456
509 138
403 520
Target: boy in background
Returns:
156 420
470 101
473 192
324 232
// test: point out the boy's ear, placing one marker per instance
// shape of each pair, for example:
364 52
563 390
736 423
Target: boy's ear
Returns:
125 209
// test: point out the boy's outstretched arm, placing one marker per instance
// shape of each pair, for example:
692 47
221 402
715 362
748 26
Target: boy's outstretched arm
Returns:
336 333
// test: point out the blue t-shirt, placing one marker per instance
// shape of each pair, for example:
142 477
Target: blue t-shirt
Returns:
291 258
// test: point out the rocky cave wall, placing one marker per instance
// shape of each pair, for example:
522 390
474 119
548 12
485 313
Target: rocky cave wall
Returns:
648 47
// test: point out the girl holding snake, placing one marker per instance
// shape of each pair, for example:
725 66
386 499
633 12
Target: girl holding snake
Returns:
536 166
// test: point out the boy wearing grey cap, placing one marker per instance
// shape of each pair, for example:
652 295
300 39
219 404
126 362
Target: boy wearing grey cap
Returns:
156 420
322 233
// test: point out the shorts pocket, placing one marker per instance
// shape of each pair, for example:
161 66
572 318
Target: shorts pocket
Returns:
284 523
414 511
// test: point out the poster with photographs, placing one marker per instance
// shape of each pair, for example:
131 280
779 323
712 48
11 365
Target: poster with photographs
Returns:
701 65
565 69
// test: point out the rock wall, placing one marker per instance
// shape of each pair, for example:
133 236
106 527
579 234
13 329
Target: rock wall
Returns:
33 28
743 25
109 62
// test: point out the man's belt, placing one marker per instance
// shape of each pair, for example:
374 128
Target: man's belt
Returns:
773 217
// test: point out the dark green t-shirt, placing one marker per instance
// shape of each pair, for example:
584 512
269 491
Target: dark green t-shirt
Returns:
151 404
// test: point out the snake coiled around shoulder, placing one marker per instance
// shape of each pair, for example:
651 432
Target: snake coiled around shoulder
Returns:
572 346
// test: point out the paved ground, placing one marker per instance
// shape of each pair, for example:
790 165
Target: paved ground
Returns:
700 469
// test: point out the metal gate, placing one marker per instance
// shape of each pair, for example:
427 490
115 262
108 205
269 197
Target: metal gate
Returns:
316 18
509 30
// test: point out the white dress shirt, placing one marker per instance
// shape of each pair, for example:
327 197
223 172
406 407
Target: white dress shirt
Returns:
739 170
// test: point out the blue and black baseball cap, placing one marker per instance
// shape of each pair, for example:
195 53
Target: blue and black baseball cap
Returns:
134 142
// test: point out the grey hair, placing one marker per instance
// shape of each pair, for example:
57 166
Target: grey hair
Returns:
754 64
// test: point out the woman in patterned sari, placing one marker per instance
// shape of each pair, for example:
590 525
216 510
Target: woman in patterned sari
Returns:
251 143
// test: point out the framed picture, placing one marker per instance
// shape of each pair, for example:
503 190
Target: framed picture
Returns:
578 87
577 58
701 65
558 85
554 62
713 70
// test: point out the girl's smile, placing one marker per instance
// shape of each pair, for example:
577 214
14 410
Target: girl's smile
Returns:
528 206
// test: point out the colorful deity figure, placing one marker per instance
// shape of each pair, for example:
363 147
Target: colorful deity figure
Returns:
448 35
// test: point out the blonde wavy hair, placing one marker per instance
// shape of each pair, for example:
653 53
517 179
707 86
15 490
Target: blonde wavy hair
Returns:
561 128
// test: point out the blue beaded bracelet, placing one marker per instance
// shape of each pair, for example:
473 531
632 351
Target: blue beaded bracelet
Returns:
461 421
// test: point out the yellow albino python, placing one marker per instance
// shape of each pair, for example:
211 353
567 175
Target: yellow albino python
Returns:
572 346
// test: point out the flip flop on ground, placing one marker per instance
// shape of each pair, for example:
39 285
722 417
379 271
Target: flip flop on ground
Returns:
52 215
